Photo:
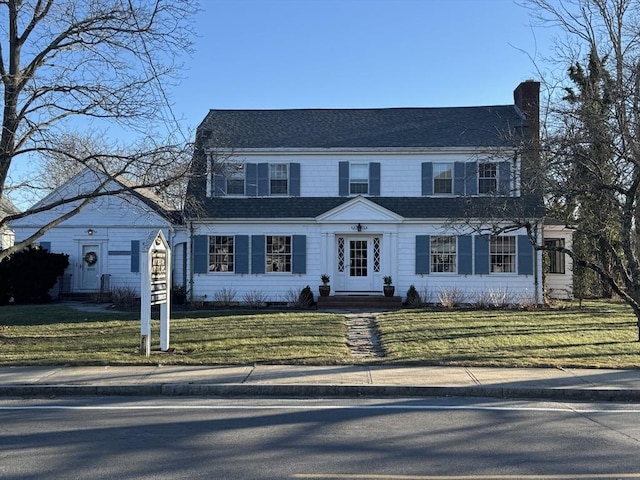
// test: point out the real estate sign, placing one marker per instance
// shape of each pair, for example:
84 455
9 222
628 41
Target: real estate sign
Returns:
155 290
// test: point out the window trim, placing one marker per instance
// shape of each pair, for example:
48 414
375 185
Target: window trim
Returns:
359 181
211 255
435 172
501 252
559 256
453 255
269 260
274 168
494 179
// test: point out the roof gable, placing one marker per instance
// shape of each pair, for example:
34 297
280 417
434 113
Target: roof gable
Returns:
361 209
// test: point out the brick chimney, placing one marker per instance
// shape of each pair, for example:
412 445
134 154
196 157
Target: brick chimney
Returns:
527 98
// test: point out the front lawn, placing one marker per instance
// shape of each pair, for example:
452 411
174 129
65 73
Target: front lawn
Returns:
603 334
600 335
55 334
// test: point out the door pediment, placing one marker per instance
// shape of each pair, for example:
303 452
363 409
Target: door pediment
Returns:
359 209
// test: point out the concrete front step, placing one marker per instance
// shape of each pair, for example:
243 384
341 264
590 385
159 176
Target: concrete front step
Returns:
360 301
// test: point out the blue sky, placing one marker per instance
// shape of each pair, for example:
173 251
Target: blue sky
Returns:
273 54
255 54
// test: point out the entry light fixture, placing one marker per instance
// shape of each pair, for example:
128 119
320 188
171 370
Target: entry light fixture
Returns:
90 231
359 227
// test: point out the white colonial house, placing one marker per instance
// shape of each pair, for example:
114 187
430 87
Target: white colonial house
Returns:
280 197
104 240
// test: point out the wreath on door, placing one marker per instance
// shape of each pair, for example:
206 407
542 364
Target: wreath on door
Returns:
90 258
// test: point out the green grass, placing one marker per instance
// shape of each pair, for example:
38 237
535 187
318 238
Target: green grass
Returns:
600 335
45 335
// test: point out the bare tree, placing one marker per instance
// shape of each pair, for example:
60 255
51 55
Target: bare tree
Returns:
100 60
592 147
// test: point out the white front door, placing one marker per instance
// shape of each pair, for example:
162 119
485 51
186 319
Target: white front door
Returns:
359 262
90 269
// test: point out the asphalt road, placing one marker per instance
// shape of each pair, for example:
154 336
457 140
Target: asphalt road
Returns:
368 439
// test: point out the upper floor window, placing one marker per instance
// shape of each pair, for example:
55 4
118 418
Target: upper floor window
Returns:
443 254
487 178
359 178
502 252
442 178
278 179
235 182
278 258
554 258
221 255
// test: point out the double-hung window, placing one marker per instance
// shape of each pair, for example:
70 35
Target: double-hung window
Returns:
502 251
442 178
554 258
235 182
221 253
443 254
359 178
278 258
487 178
278 179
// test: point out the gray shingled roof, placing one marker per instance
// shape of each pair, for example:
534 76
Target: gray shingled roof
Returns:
365 128
7 208
221 208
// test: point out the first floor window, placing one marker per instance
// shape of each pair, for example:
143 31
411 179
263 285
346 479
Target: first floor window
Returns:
487 178
443 254
442 178
221 253
503 254
278 253
555 259
278 179
359 178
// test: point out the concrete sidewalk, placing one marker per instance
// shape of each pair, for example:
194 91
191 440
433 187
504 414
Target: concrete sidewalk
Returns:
322 381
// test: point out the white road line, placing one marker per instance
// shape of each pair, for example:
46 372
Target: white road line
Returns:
561 409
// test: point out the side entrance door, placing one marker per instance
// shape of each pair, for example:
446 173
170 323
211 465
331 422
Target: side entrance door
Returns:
90 268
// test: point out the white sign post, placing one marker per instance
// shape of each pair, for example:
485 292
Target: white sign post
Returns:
155 290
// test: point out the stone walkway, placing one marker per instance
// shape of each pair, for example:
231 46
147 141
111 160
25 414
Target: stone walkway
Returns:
362 336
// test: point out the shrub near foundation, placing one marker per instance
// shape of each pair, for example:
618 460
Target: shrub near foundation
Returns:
28 275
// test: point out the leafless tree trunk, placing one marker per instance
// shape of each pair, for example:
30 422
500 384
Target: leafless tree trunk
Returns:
99 60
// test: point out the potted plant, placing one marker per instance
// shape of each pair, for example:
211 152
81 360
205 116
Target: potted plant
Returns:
388 289
325 288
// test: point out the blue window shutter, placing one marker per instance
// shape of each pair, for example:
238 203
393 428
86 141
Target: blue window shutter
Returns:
200 254
220 186
299 257
525 255
343 181
241 253
427 178
251 176
465 255
135 256
471 178
374 179
45 246
504 178
459 175
422 254
482 255
257 254
263 179
294 179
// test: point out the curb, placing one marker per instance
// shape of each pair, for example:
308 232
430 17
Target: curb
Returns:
311 391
